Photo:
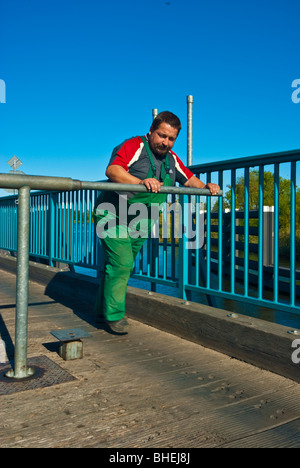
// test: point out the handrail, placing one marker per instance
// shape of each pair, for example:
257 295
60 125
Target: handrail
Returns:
16 181
249 161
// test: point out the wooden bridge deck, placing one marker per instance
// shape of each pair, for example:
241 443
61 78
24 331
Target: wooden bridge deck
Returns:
146 389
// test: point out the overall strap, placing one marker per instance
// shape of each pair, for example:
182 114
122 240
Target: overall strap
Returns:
153 167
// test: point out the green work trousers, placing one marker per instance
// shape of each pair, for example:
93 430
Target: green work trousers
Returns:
120 248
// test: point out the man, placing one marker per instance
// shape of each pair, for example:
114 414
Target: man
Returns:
149 161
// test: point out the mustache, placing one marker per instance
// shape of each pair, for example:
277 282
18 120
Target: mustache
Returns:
162 147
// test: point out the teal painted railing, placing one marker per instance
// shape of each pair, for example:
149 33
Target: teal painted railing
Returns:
253 183
231 247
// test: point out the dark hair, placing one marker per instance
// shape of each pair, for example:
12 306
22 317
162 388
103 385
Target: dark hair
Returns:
168 118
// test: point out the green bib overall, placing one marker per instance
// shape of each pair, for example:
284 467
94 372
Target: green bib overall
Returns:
123 241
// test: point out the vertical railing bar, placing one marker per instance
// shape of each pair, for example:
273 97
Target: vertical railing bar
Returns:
246 232
51 228
55 214
90 228
31 232
182 267
65 234
76 226
96 246
45 198
232 233
67 211
47 204
44 224
35 225
32 225
39 224
198 240
276 234
165 240
208 235
260 231
85 225
60 227
149 249
220 234
71 250
173 241
293 236
81 226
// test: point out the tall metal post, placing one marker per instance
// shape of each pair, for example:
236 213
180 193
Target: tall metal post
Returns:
154 113
189 100
21 370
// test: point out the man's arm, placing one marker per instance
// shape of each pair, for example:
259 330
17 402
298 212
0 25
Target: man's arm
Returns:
194 182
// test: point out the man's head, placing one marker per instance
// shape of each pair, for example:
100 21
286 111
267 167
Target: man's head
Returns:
164 130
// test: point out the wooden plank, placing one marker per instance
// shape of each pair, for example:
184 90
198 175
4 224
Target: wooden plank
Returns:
255 341
147 389
283 436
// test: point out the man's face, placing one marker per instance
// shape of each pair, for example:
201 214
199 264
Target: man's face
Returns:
162 139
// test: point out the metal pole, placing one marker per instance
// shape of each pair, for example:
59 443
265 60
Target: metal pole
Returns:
21 370
61 183
189 130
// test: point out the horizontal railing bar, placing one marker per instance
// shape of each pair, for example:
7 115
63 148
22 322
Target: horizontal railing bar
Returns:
252 161
15 181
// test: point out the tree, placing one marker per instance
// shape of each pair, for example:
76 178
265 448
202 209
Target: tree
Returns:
284 196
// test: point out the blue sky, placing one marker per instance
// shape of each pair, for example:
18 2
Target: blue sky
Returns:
83 75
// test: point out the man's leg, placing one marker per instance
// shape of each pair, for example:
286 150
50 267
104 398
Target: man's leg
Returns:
119 261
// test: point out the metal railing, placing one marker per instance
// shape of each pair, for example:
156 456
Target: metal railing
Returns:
36 220
220 249
272 180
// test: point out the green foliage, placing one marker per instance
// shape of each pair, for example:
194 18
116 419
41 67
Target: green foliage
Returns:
284 195
284 203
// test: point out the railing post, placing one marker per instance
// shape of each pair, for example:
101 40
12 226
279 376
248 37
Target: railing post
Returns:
183 252
51 228
21 370
190 130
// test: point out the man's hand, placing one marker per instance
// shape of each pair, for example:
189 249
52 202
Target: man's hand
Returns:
213 188
152 184
197 183
118 174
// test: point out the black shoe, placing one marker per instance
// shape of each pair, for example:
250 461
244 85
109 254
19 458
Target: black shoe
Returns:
118 326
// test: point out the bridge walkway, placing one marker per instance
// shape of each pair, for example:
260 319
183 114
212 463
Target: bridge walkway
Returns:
146 389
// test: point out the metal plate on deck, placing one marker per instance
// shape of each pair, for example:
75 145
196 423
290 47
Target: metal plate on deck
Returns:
71 334
47 373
